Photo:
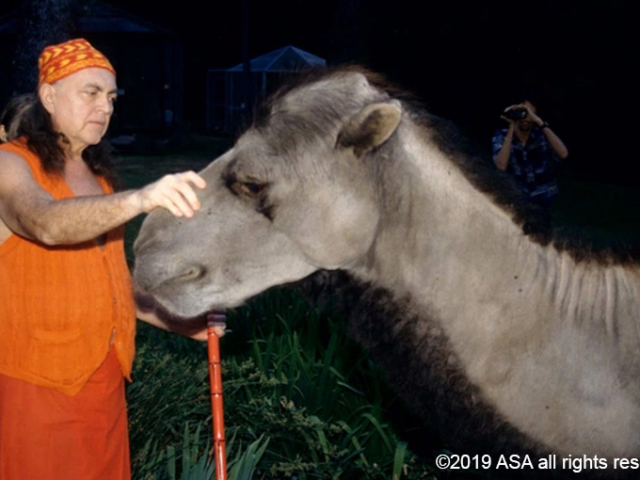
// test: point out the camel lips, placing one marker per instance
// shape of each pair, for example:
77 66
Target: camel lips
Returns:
217 318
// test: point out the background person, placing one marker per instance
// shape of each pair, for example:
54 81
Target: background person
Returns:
530 151
12 114
67 315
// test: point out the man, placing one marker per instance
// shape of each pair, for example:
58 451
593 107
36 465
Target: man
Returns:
529 150
67 315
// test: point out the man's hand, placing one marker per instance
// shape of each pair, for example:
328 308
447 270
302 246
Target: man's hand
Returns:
511 121
217 319
531 115
173 192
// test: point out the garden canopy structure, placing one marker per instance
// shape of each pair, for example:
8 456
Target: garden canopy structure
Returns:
226 93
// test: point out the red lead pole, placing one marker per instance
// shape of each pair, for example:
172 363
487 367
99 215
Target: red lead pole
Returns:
217 408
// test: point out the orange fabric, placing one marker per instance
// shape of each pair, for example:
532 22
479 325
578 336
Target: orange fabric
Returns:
46 435
60 306
59 61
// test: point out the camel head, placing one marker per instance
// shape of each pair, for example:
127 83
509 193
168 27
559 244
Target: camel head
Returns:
296 193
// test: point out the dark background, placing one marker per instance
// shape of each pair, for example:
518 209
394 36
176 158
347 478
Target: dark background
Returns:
466 60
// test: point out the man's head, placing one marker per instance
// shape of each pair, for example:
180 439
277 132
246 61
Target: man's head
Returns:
77 87
526 124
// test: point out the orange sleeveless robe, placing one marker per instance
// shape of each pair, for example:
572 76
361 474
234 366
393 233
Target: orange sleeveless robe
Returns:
67 327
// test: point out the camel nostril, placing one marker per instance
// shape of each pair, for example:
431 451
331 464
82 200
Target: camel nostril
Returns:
192 273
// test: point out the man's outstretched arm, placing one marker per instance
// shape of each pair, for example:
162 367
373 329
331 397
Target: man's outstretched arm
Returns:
27 210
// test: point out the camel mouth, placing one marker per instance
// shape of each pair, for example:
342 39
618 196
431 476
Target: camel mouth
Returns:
187 326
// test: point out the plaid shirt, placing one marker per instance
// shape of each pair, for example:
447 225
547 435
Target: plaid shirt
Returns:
533 164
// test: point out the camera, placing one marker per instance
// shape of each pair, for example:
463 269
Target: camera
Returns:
517 113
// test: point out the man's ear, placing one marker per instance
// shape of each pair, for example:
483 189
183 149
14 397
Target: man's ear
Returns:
370 127
47 95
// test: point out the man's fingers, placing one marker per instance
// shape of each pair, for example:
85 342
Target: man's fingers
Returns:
176 193
193 177
185 190
219 330
201 336
178 205
182 193
182 198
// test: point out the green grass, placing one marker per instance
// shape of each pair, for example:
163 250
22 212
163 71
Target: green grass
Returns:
291 378
301 400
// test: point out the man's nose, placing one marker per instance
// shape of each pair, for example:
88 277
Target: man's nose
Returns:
106 105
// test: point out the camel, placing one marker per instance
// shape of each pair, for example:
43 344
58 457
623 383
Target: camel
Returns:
495 330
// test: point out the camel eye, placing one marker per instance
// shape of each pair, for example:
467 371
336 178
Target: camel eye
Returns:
252 188
249 189
256 193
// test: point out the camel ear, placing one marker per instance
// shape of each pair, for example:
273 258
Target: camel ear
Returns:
370 127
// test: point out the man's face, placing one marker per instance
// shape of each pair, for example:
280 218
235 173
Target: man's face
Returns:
81 105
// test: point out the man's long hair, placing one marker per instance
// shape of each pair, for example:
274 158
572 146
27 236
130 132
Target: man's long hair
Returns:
47 144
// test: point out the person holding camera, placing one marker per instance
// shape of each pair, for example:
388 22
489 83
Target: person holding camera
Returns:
530 151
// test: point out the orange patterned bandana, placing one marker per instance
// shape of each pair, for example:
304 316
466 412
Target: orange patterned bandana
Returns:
59 61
